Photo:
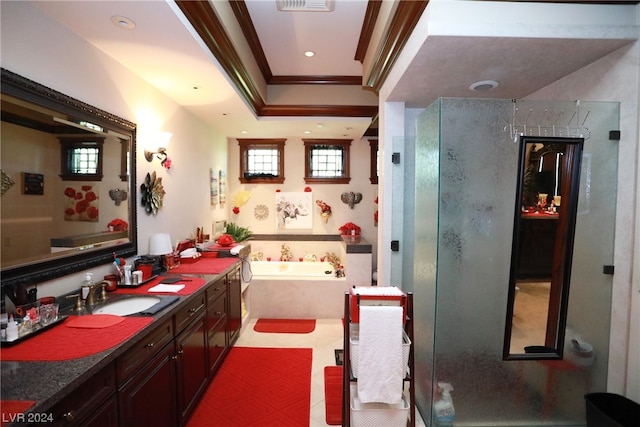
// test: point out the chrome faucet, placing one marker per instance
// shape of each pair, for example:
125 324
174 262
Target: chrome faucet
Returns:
92 299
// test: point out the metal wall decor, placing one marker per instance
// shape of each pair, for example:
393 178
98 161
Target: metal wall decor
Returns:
7 182
152 193
351 198
118 195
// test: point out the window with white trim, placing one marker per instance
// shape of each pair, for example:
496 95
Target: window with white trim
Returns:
81 159
327 160
261 160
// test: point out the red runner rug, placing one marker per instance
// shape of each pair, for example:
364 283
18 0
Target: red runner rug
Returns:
204 265
333 395
258 387
12 410
63 343
285 326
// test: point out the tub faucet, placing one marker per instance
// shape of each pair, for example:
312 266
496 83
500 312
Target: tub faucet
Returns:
92 299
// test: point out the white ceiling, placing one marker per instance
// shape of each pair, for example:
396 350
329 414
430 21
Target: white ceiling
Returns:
163 50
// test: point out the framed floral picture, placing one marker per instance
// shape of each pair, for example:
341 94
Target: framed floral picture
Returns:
81 203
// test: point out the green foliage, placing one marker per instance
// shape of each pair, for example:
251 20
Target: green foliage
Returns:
238 233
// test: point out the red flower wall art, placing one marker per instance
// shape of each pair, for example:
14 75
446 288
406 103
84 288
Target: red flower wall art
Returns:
81 203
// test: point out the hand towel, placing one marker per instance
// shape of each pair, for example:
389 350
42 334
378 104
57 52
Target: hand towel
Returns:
166 288
380 370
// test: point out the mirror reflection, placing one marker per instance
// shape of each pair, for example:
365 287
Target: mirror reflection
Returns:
67 199
544 225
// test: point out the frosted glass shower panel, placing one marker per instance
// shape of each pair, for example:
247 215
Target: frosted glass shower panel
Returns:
466 165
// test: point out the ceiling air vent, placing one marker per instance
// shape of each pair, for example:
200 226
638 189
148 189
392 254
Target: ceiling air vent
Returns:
305 5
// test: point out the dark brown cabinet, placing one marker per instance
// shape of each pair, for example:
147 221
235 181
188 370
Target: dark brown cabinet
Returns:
234 315
95 395
217 302
192 368
148 399
162 378
105 416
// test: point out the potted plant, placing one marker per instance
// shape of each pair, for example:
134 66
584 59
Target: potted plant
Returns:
239 234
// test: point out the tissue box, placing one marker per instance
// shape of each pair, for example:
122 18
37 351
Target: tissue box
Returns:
376 295
379 414
354 345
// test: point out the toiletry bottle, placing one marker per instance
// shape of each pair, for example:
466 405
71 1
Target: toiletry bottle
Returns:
127 274
86 286
443 409
26 327
12 329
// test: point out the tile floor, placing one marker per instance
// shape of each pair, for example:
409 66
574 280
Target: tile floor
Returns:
324 340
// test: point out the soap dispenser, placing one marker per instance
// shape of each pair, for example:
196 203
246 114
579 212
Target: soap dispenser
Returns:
86 286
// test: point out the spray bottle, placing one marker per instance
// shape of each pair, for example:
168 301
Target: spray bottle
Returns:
443 410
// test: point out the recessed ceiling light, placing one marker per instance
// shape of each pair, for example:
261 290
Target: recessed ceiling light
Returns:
484 85
307 131
309 54
243 131
123 22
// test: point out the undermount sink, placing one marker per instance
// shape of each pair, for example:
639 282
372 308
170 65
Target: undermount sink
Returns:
126 306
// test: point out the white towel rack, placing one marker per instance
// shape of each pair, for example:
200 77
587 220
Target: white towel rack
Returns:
347 374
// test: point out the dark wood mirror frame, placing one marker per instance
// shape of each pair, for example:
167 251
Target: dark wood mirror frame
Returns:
32 273
560 271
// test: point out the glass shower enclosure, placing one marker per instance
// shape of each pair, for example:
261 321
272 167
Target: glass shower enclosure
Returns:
459 189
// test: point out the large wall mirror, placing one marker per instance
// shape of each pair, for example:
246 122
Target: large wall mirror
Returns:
68 191
544 226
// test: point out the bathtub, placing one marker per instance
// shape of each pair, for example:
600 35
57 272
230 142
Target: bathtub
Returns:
288 270
295 290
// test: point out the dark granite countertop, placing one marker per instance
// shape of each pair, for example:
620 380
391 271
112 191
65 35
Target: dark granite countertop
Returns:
49 382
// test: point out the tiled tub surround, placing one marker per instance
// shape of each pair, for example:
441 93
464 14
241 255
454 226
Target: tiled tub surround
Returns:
294 296
291 296
293 270
51 383
355 253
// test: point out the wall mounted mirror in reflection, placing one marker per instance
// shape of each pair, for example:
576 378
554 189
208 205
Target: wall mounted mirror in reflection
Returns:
544 225
68 197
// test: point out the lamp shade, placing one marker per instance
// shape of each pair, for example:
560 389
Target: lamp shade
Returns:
160 244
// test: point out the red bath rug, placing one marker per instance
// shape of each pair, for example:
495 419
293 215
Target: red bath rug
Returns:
333 395
258 387
285 326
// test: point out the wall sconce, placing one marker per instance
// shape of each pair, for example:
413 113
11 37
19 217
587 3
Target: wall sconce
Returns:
161 142
161 153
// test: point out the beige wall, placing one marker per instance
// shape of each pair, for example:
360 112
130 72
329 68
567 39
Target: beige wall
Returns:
264 194
90 76
617 78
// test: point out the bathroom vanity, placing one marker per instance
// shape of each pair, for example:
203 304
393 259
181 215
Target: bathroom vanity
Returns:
156 377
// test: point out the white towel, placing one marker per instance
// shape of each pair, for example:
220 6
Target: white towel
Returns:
162 287
380 370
